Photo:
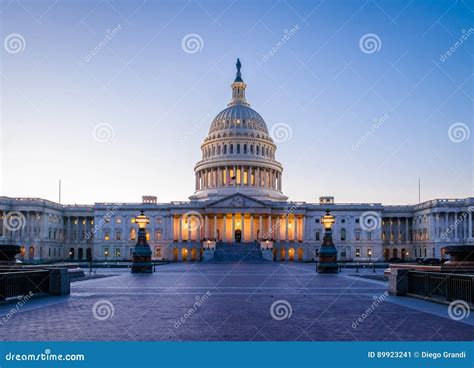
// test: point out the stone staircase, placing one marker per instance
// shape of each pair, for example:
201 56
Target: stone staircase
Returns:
238 252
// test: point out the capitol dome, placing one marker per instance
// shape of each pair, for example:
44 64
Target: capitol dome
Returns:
238 154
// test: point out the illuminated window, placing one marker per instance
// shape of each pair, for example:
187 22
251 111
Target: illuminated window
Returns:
133 234
118 220
106 252
357 252
147 235
106 236
158 252
117 252
158 235
369 252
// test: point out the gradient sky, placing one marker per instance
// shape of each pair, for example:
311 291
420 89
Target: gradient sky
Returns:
160 100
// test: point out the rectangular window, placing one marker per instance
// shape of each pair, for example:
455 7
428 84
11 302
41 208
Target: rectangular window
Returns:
106 236
118 220
158 235
343 253
357 252
369 235
117 252
357 234
118 235
158 252
369 252
106 252
318 235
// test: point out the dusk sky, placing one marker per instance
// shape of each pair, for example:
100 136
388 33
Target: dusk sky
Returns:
115 97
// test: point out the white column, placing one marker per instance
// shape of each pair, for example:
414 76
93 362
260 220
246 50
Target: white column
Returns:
206 227
455 218
303 230
407 235
436 232
215 226
260 227
399 231
233 225
180 228
243 227
286 228
224 236
251 228
270 232
446 218
296 229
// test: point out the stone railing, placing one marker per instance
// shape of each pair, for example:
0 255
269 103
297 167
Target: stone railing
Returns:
19 282
436 286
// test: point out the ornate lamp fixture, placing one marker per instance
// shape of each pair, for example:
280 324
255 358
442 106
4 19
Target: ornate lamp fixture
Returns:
328 252
142 252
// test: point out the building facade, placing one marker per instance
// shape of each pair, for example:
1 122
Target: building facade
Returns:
238 199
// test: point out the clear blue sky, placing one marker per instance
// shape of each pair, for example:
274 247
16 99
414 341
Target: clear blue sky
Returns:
160 100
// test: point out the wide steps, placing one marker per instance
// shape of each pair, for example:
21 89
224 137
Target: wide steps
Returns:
238 252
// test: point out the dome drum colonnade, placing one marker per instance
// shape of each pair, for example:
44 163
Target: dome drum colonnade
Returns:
238 152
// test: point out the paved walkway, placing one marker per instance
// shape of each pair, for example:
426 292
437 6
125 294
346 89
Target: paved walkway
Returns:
231 302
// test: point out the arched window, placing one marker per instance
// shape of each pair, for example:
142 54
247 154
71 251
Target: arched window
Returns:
245 148
218 150
225 149
213 150
238 148
343 234
251 149
258 150
231 149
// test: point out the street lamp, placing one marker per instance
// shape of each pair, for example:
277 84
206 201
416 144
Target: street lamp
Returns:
141 253
327 252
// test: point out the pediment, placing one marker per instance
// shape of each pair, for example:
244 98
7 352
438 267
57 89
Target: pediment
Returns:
237 200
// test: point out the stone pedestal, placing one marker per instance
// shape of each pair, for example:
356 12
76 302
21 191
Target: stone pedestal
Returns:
8 254
59 282
142 255
327 255
398 281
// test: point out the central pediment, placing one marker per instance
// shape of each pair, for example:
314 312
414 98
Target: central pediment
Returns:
237 200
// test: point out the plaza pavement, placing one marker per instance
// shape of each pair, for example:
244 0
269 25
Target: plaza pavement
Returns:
203 302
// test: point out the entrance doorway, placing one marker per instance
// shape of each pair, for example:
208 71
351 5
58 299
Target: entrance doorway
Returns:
238 236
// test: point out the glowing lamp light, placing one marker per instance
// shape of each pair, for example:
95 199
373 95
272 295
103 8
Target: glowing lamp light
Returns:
141 220
327 220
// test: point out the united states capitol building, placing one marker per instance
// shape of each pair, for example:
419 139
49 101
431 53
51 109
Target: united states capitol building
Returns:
238 202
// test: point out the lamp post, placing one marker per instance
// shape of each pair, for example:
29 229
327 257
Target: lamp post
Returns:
327 251
142 252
